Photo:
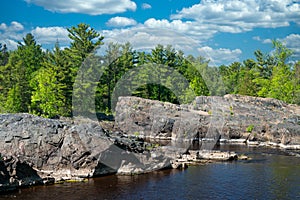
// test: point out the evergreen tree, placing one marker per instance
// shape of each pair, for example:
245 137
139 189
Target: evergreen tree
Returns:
84 42
3 55
296 83
246 85
50 92
19 71
47 98
281 86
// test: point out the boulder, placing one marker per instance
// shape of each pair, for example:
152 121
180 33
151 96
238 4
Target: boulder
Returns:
35 150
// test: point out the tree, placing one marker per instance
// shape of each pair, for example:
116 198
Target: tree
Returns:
296 83
281 83
118 60
231 76
47 98
13 102
84 42
18 72
3 55
50 92
246 85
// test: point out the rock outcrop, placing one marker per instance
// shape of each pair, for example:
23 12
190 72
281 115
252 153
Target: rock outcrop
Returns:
35 150
231 117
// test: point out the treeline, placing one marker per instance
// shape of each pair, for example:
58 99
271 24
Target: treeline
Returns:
44 83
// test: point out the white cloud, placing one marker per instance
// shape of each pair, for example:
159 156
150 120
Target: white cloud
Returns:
10 44
13 27
16 26
292 42
10 34
90 7
145 38
49 35
238 16
189 28
15 32
146 6
187 36
220 56
3 26
267 41
121 22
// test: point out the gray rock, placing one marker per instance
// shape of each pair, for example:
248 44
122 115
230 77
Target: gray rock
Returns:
231 116
43 150
158 120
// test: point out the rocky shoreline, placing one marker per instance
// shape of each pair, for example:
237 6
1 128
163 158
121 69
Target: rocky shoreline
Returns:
230 117
36 151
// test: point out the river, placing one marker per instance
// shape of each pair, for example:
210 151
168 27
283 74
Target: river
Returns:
270 174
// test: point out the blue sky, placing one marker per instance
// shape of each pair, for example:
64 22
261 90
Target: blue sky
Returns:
222 30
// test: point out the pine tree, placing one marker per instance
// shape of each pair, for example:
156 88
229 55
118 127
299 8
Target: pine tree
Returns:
19 71
47 98
84 42
281 86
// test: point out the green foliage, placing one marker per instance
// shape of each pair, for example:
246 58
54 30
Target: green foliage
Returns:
47 98
17 74
4 55
269 76
43 83
14 100
84 41
250 128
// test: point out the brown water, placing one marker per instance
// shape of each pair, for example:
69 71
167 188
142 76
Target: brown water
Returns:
269 175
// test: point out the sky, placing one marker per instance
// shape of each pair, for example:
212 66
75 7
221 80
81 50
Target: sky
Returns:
223 31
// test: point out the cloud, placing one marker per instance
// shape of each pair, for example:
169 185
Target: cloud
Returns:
146 6
192 29
10 44
10 34
121 22
267 41
187 36
15 32
3 26
145 38
239 16
49 35
14 26
292 42
91 7
220 56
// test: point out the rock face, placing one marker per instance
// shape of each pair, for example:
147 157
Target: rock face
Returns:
159 120
231 116
34 150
